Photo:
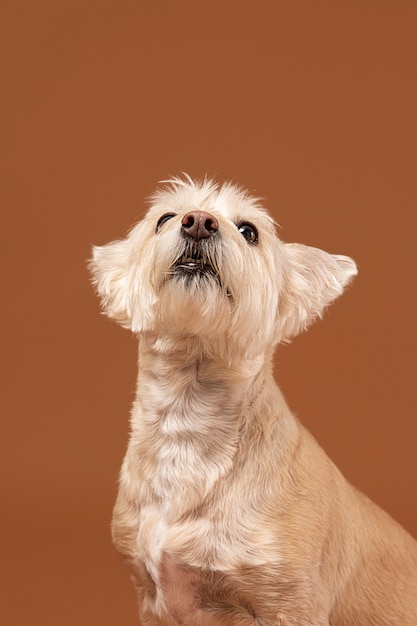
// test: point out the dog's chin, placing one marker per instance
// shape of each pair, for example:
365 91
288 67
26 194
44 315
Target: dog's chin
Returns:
193 301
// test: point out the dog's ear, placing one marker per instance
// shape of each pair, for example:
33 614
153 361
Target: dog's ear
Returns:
312 281
110 268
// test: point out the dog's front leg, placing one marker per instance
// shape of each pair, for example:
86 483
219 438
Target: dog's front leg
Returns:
146 604
124 528
145 592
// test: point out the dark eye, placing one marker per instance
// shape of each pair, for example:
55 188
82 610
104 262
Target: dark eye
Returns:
249 232
164 218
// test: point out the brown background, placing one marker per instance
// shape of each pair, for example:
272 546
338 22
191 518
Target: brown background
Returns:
311 104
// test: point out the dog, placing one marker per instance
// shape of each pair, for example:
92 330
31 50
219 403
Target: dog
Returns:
228 511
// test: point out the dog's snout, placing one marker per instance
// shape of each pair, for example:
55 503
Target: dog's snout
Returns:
199 225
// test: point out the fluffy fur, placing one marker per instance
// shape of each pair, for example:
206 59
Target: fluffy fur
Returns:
229 513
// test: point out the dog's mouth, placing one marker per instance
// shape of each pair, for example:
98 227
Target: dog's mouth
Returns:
197 265
195 260
191 265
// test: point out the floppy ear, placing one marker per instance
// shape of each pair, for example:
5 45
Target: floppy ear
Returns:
313 280
111 271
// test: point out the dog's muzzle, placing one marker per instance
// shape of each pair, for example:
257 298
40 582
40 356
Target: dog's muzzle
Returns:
199 230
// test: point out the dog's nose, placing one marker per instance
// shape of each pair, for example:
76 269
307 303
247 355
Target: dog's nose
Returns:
199 225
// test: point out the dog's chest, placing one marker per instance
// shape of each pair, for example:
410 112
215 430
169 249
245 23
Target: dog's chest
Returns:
208 562
201 563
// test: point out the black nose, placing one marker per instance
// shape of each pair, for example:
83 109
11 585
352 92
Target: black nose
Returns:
199 225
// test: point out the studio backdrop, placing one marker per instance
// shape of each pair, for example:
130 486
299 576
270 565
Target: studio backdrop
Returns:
309 105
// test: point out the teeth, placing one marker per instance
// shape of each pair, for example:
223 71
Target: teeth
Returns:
190 259
193 257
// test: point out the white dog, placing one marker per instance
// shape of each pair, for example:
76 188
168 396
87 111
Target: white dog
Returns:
229 513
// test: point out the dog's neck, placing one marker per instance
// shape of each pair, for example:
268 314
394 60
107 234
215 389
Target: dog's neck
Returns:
189 407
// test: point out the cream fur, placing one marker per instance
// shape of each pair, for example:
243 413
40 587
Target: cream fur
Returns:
229 513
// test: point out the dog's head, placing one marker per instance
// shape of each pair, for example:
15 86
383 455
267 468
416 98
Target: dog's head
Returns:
206 261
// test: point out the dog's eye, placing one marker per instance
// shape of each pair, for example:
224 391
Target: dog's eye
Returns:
164 218
249 232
